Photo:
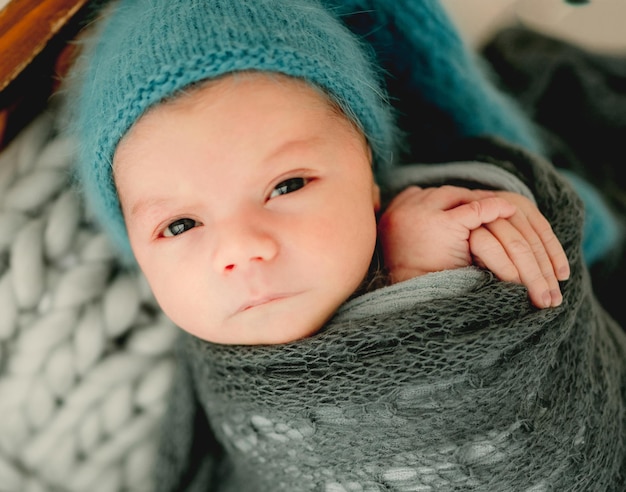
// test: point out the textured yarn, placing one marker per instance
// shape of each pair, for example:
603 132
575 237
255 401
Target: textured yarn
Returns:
472 389
85 354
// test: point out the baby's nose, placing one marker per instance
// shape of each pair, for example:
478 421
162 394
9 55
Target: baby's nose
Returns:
240 245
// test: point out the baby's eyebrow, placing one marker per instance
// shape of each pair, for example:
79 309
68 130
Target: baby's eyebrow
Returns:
294 145
148 206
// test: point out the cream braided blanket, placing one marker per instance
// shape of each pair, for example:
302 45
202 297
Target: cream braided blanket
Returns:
84 354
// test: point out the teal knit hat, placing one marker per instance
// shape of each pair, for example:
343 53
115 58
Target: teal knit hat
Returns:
148 50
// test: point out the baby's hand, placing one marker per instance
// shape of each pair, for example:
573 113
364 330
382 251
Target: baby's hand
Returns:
428 230
433 229
523 248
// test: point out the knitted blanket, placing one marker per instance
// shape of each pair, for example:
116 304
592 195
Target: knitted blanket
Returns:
451 381
85 355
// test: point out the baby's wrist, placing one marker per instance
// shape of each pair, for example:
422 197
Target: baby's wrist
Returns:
400 273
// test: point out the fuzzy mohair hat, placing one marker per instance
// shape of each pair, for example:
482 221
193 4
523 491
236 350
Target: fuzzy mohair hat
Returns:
148 50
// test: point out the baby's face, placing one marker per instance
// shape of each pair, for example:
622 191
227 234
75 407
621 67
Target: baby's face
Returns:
250 206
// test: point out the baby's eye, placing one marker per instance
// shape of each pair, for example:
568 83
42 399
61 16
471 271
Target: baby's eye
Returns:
178 227
288 186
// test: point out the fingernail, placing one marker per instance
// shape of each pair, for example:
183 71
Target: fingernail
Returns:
563 273
557 298
546 299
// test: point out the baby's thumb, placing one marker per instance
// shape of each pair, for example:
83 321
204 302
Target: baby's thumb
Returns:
473 214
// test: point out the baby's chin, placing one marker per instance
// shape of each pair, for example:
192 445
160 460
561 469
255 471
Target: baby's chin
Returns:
276 333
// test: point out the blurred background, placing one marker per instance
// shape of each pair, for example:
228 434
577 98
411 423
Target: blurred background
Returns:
598 25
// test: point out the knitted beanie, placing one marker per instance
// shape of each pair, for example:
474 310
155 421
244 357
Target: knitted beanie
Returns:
148 50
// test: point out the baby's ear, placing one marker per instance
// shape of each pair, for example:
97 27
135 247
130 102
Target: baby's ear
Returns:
375 187
376 197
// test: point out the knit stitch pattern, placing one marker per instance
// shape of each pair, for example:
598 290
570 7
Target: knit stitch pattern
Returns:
85 354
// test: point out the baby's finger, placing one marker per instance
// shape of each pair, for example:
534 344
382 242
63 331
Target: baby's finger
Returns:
543 229
478 212
489 253
552 245
547 249
527 253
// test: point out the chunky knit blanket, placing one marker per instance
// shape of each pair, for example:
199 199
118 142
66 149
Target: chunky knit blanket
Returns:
85 355
451 381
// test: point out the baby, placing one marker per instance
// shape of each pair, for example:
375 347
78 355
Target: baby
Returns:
236 164
250 206
243 153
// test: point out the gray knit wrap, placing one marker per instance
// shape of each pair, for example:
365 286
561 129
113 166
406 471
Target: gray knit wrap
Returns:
470 390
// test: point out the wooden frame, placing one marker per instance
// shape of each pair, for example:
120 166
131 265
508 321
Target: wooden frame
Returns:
32 35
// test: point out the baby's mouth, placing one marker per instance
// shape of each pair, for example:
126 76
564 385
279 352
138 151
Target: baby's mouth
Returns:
261 301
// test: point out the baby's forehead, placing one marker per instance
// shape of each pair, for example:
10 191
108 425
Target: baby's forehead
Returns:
210 91
292 105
